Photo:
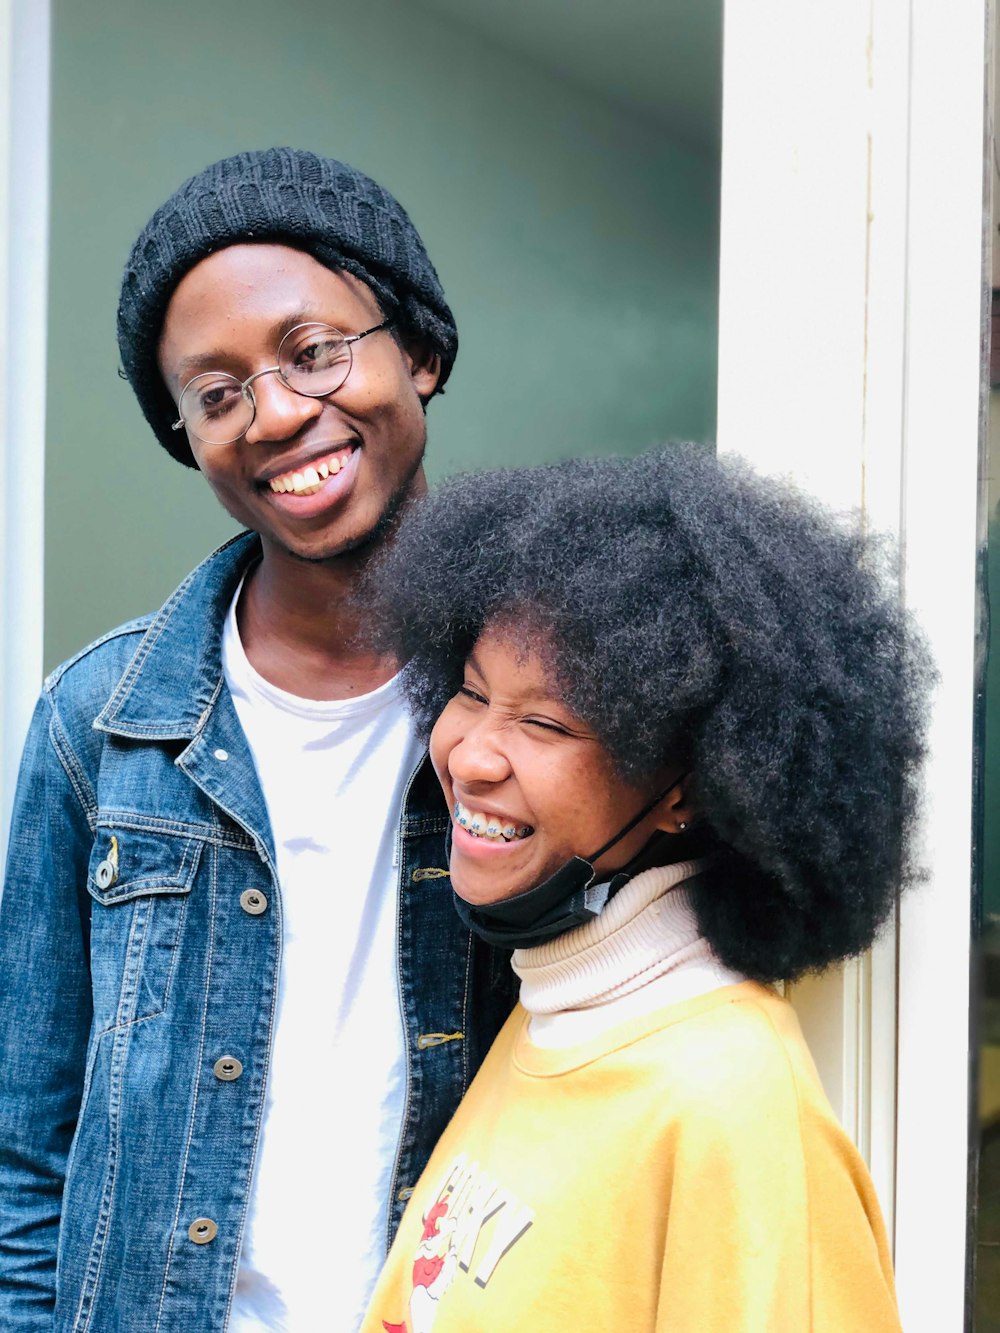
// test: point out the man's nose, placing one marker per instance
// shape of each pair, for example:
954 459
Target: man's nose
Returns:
280 412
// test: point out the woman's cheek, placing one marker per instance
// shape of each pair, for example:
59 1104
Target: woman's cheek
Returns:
442 741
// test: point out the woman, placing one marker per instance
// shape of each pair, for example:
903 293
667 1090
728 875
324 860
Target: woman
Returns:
678 724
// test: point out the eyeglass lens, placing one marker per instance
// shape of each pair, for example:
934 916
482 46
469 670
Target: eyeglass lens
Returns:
313 359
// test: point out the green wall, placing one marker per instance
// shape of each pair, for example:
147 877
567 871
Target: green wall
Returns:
578 248
991 753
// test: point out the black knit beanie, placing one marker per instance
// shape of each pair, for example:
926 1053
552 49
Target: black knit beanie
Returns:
331 211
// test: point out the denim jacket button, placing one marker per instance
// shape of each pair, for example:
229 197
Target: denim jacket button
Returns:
227 1068
202 1230
105 875
253 901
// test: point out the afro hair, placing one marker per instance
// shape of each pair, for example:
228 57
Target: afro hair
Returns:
683 604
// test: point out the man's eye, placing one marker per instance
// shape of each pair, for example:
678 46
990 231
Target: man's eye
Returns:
320 354
219 398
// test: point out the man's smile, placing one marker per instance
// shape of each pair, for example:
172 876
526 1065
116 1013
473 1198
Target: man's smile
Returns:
307 475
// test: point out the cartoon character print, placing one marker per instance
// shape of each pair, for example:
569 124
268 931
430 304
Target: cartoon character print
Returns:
471 1225
434 1267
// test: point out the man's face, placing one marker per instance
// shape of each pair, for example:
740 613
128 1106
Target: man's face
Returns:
229 313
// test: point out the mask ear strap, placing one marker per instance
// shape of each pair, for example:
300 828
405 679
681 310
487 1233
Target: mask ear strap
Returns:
637 820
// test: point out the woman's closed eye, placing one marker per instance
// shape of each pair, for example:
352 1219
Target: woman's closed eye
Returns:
546 725
476 696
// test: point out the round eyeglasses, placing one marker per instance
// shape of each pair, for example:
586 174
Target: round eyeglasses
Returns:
313 359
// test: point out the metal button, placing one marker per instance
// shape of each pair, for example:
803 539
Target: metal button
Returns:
253 901
202 1230
107 872
228 1068
105 875
222 755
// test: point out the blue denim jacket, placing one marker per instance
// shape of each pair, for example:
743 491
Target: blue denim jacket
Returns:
140 936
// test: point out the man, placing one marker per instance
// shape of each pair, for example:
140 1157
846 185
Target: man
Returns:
236 1004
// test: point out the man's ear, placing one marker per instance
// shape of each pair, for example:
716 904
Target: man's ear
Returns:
425 367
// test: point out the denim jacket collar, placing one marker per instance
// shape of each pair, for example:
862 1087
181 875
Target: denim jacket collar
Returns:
171 685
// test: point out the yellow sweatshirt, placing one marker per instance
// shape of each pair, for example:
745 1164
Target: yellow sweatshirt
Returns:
682 1172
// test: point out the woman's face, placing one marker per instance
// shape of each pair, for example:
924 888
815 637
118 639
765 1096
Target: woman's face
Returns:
528 784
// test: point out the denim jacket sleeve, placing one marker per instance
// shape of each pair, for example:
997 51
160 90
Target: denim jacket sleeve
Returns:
45 1013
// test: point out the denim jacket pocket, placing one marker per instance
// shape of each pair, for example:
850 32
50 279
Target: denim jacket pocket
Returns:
140 881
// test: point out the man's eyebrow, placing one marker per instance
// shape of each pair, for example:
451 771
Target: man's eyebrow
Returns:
189 366
218 357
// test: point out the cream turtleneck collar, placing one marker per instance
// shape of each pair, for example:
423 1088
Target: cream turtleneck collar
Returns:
644 951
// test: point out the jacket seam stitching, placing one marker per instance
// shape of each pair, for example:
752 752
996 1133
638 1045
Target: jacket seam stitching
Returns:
212 701
174 952
71 766
466 1016
128 1023
138 626
153 884
119 1053
266 1075
126 819
182 1182
149 641
407 1115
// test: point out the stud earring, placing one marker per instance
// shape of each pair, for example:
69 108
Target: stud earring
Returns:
682 825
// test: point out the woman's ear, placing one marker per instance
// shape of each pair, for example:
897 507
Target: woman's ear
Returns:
678 810
425 367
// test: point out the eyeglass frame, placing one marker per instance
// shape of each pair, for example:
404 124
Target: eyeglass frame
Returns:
246 388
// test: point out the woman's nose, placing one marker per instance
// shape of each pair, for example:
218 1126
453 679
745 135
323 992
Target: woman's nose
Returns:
478 758
279 412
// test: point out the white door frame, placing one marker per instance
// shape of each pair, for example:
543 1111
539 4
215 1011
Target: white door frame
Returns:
851 308
24 206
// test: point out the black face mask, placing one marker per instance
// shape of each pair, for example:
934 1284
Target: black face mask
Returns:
568 898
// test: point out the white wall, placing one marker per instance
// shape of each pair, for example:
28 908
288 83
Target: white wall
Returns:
24 66
851 284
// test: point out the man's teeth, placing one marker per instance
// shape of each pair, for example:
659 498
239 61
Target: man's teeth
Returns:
310 479
489 826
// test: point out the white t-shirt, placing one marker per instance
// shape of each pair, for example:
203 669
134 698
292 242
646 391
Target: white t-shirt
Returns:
333 776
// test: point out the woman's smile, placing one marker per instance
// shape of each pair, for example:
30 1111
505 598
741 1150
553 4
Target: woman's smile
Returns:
477 845
491 825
